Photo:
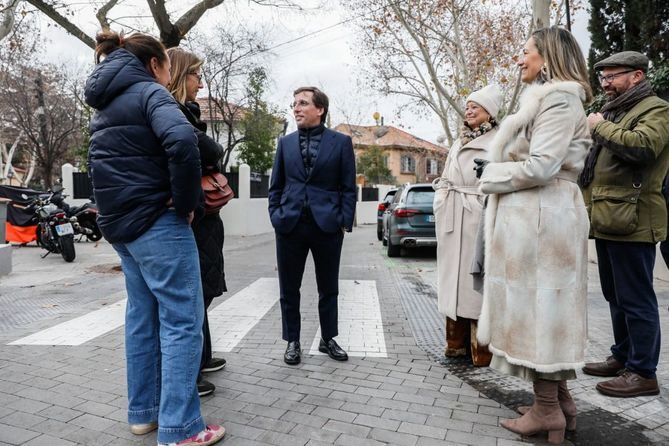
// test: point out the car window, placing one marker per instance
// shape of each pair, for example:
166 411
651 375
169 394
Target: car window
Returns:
397 196
389 196
420 195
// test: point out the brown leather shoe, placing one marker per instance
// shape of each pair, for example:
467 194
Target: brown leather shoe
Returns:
628 385
609 367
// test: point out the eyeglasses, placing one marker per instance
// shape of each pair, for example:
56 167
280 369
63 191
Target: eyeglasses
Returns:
199 76
611 77
302 103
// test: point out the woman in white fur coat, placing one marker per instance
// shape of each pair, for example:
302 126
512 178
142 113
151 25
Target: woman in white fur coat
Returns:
536 230
457 211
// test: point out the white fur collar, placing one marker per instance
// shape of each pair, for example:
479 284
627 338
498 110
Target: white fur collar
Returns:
529 105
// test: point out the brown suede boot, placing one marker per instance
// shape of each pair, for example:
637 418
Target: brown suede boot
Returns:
481 356
567 405
545 414
456 337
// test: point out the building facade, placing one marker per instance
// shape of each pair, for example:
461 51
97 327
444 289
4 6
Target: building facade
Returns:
409 158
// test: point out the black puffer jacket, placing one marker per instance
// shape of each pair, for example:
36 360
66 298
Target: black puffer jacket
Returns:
209 231
143 151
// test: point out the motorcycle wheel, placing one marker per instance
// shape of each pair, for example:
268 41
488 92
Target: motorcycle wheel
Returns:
67 247
38 234
96 235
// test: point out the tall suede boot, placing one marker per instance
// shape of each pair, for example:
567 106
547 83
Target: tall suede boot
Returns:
545 414
481 356
456 337
567 405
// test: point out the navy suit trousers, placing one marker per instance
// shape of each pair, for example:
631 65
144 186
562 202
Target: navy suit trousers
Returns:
626 276
291 252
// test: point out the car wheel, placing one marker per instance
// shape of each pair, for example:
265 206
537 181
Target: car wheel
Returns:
379 233
393 250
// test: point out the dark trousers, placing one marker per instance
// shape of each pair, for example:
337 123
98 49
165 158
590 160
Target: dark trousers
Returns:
291 253
206 338
626 276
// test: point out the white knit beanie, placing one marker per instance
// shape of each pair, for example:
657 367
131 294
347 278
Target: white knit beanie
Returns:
488 97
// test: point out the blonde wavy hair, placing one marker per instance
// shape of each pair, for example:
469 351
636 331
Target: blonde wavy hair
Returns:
183 63
563 57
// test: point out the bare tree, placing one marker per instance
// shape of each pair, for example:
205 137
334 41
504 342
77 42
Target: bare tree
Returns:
435 52
228 60
171 31
38 106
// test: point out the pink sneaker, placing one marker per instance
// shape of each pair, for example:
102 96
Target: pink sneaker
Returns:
210 435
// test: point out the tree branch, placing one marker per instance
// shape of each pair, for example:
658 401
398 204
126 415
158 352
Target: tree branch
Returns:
8 18
68 26
101 15
191 17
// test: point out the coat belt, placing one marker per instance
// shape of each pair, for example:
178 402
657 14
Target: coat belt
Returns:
468 194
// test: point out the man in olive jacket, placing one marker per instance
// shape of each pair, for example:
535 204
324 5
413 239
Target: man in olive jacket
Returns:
622 186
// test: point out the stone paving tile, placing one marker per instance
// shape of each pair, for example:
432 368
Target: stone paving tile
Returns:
392 437
15 435
47 440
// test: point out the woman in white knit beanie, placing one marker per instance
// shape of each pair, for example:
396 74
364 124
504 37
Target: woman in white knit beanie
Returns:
457 211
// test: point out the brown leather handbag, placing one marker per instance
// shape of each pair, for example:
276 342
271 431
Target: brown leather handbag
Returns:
217 192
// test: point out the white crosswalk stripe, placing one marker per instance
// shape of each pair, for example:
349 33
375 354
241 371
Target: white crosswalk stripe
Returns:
81 329
360 323
230 321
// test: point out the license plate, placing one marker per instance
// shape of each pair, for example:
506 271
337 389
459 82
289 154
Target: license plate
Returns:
430 218
64 229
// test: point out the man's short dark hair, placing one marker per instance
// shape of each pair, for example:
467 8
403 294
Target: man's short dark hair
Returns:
320 99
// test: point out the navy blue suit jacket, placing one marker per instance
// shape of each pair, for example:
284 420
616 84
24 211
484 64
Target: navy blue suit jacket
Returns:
330 188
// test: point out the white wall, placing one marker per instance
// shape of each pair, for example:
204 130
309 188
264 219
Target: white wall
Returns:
246 217
66 172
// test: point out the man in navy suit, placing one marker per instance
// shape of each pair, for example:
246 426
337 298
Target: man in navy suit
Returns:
312 198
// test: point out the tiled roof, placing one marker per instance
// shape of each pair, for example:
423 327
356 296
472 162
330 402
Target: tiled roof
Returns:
204 110
385 137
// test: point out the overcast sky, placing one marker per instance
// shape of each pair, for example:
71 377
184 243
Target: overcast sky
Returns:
325 59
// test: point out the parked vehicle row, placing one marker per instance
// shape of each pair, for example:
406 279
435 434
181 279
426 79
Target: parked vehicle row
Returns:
405 218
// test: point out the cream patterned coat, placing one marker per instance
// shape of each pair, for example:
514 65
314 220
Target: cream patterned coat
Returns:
536 232
457 212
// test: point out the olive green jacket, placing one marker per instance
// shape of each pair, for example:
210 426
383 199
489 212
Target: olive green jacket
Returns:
624 200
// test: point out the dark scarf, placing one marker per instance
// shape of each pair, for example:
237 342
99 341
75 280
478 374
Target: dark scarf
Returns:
613 111
192 112
467 134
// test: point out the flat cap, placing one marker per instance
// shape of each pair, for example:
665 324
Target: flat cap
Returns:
631 59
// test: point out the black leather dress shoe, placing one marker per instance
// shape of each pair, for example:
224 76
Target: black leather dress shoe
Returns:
293 353
333 350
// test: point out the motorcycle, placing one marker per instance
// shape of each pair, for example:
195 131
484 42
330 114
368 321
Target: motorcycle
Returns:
86 215
55 230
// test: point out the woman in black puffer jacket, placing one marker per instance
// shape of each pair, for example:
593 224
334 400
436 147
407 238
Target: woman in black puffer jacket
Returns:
208 229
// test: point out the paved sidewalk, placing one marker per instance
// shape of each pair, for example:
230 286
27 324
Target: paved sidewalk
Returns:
400 394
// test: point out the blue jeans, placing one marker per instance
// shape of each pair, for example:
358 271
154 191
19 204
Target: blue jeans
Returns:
626 276
163 328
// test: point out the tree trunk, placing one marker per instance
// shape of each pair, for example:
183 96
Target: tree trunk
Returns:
541 13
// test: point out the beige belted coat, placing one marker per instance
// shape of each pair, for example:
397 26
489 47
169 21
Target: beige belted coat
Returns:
457 211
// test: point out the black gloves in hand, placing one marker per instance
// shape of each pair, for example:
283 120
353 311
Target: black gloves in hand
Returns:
480 165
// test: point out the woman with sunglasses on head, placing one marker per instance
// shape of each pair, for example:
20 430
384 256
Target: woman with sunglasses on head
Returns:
208 228
145 169
533 316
